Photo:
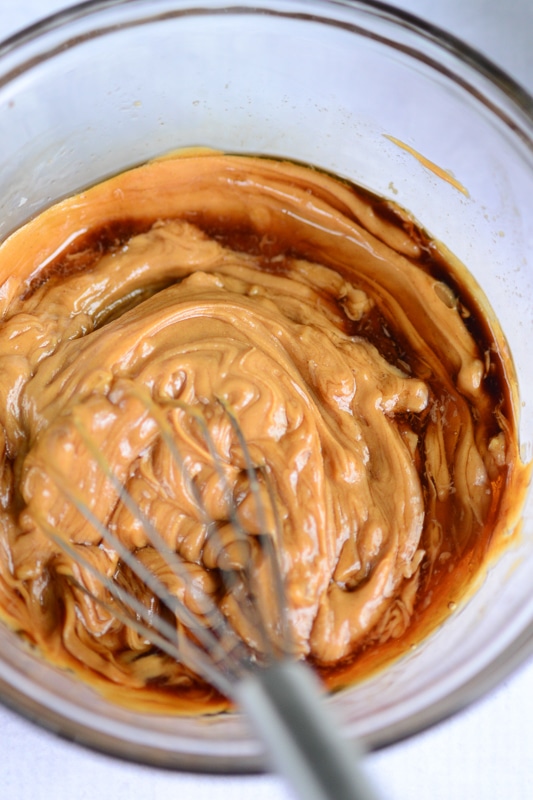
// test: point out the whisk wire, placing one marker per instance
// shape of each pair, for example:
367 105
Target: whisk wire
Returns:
155 628
268 540
211 628
221 653
255 601
252 607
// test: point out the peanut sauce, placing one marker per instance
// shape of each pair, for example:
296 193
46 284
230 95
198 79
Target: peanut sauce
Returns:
370 381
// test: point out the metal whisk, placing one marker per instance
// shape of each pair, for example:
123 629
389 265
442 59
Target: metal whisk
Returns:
280 694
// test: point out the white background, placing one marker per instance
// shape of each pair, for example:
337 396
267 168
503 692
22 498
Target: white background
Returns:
482 754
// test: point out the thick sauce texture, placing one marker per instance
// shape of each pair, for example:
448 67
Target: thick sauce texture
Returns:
371 387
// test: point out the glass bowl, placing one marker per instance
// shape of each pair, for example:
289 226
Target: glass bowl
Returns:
107 85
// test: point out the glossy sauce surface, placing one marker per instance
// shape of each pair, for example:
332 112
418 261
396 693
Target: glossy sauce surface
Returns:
371 383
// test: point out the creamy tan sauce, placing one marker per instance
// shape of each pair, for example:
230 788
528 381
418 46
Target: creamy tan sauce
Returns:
369 386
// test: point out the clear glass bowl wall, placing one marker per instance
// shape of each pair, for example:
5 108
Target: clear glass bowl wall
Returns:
96 90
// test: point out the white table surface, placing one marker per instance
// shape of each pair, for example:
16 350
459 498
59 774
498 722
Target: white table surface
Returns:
484 753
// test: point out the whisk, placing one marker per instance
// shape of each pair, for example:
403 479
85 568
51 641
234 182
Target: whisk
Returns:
257 670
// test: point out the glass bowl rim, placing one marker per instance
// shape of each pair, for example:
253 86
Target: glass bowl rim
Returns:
521 648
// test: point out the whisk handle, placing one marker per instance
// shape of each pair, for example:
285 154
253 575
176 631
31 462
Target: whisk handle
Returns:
284 705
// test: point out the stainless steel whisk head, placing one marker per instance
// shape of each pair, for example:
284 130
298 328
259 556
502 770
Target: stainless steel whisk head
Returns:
236 637
202 636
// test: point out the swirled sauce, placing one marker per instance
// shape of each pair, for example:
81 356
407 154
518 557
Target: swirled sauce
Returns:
370 387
